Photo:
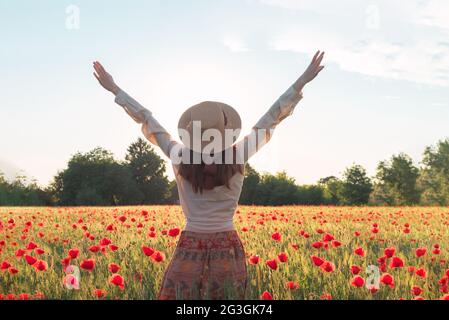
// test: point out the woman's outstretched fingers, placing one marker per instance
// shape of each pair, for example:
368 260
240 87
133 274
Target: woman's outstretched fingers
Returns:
320 58
315 56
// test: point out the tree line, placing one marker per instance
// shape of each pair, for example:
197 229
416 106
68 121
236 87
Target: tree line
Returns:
97 178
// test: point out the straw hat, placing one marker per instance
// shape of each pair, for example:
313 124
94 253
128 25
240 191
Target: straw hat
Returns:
196 121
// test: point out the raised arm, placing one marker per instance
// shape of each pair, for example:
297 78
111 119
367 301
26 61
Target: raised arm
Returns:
151 128
262 132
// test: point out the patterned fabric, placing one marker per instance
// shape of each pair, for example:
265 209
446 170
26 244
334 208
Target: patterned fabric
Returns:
206 266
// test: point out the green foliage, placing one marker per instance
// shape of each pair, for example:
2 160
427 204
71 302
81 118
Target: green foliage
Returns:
19 193
396 182
434 176
250 185
148 172
355 188
96 178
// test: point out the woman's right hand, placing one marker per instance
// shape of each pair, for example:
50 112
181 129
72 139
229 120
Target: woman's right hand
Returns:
104 78
313 69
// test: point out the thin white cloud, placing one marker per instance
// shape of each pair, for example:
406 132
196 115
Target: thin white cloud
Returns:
234 43
404 40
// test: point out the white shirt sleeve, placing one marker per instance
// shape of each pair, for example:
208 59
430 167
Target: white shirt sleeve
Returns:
262 132
151 128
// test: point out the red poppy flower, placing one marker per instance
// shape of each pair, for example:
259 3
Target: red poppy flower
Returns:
373 289
147 251
113 247
389 252
20 252
336 243
100 293
117 280
105 241
360 252
326 296
31 245
397 262
357 281
174 232
5 265
87 264
272 264
317 244
39 251
387 279
94 248
113 268
254 259
152 234
74 253
40 265
292 285
420 252
416 291
65 261
327 266
445 297
282 257
158 256
30 260
266 296
421 273
328 237
355 269
13 270
317 260
24 296
276 236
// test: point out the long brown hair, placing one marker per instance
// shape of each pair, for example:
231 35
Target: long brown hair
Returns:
208 176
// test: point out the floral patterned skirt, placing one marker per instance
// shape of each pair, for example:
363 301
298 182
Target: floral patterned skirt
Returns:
206 266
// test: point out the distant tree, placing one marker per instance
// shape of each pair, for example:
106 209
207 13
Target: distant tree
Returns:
434 176
278 189
250 186
355 187
3 190
148 170
396 182
95 178
310 195
21 193
173 191
330 186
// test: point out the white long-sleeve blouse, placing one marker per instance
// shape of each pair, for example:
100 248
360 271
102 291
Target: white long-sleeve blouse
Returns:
213 210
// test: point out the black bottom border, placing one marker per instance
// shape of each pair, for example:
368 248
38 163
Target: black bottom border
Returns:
247 309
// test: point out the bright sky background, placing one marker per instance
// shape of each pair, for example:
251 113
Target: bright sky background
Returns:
384 89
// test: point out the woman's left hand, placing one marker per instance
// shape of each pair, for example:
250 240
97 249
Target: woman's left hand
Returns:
104 78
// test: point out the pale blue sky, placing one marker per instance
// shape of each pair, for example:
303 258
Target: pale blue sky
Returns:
384 89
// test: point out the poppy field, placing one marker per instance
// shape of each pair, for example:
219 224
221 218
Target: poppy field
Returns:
293 252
